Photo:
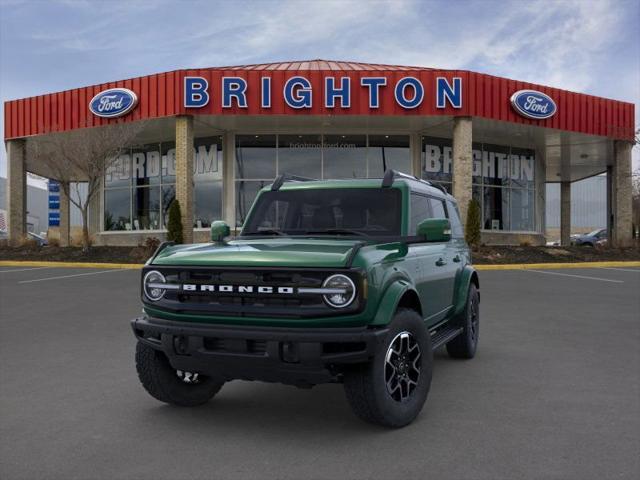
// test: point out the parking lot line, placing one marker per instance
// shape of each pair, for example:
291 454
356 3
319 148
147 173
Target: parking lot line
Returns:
637 270
69 276
576 276
23 269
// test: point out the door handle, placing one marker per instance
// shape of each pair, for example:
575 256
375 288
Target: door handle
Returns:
456 259
441 262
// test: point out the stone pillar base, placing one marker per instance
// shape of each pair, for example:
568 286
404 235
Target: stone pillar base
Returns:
621 183
462 164
16 191
184 173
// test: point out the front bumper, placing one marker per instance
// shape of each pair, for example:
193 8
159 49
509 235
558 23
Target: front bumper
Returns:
297 356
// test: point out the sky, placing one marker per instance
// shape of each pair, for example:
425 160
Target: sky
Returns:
590 46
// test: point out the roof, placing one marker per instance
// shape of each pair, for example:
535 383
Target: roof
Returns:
163 95
320 64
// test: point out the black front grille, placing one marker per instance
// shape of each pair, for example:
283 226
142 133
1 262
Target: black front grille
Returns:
253 304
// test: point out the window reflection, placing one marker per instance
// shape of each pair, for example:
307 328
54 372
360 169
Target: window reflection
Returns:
345 156
390 150
256 156
146 208
300 155
117 204
148 173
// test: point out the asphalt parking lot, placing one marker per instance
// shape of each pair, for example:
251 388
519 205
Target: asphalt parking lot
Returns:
554 392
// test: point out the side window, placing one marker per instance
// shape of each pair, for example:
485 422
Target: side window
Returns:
454 218
437 207
419 211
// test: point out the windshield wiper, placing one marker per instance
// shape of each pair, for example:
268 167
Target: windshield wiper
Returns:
267 231
337 231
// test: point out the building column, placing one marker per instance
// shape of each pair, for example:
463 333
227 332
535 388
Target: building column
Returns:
565 213
228 179
462 164
184 173
65 215
16 191
621 183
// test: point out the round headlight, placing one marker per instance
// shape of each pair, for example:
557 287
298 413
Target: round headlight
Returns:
150 284
342 291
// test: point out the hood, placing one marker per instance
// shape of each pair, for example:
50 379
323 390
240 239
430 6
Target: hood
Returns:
276 252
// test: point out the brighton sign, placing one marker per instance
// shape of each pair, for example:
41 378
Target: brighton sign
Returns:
298 93
113 103
533 104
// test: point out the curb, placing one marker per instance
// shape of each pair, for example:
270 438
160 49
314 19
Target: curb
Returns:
29 263
508 266
548 266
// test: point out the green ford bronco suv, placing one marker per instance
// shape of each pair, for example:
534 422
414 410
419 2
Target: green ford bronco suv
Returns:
349 281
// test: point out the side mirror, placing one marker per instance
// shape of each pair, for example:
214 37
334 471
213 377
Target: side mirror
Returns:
219 231
435 230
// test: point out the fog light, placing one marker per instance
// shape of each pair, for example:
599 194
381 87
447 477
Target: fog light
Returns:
340 291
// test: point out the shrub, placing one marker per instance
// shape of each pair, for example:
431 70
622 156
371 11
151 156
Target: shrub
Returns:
149 246
174 225
151 243
54 242
472 230
29 244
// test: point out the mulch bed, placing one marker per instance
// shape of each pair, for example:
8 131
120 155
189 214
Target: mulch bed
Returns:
75 254
504 255
483 255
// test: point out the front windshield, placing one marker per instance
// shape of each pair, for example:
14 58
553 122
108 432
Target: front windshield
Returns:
326 211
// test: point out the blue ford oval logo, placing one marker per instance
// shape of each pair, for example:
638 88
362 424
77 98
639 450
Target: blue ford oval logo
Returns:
114 102
533 104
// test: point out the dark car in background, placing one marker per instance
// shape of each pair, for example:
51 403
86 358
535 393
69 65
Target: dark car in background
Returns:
591 239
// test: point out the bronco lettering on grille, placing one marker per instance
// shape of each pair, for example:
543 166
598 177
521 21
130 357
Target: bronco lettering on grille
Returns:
190 287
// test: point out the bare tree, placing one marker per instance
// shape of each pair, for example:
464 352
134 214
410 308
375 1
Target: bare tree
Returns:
82 156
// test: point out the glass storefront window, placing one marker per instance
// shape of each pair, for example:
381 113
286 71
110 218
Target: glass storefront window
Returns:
477 154
345 156
522 167
208 203
117 205
500 176
145 165
495 165
146 208
145 204
168 194
300 155
168 162
392 150
118 174
207 159
436 160
256 156
260 158
521 210
496 203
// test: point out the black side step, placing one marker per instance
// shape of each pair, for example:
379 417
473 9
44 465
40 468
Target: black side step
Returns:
444 335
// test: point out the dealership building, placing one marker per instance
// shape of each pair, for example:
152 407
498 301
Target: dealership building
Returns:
213 137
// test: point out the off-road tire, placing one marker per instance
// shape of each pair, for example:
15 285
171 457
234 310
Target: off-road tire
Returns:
160 379
365 385
465 344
